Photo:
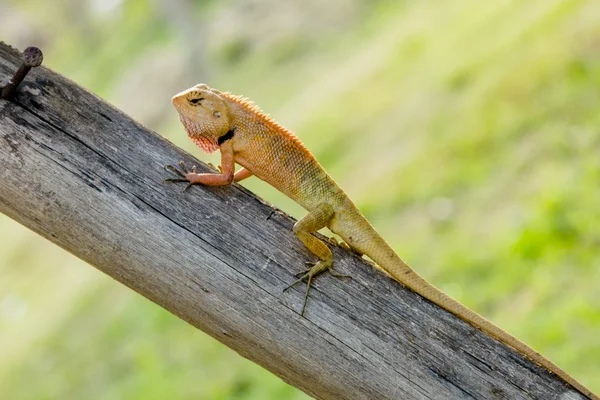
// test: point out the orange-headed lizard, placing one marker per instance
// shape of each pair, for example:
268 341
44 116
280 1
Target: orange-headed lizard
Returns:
217 120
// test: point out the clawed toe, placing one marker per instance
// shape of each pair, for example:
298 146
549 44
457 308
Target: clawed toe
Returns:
213 166
293 283
308 275
183 167
175 170
338 275
345 245
304 274
181 173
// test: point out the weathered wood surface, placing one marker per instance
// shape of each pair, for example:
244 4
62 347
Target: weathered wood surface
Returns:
88 178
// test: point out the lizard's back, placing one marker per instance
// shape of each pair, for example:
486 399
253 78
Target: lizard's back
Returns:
276 156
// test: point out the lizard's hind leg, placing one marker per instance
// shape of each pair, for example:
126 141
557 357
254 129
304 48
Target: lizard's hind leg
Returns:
304 229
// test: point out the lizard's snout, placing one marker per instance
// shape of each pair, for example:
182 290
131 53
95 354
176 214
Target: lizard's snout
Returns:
179 99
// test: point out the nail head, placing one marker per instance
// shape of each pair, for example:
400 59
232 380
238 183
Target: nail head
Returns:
33 57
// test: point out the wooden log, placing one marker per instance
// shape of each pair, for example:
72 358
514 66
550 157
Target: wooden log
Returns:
88 178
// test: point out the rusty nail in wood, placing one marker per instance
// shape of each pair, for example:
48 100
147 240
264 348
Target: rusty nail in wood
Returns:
32 57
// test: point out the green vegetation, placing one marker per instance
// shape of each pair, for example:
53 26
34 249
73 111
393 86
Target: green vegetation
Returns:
466 131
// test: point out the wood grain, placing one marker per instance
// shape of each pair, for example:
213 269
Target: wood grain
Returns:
88 178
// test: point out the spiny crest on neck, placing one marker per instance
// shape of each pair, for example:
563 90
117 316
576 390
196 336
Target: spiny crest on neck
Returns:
264 118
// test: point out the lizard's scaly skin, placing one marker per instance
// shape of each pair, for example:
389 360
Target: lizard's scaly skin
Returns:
246 136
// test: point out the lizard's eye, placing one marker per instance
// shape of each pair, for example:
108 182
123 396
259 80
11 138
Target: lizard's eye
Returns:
196 101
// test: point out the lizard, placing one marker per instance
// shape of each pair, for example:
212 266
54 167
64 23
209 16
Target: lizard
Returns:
246 136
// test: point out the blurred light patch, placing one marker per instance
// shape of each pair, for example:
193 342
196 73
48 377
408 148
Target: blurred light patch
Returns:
12 308
103 7
441 208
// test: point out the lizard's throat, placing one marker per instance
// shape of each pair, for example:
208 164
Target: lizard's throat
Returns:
194 131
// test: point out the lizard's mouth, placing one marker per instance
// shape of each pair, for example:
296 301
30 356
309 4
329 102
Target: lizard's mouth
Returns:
178 99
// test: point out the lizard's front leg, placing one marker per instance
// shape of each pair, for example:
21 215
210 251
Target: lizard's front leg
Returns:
304 229
193 177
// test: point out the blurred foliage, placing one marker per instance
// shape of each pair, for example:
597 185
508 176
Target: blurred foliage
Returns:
466 131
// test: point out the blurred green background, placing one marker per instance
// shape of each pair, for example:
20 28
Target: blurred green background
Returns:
467 131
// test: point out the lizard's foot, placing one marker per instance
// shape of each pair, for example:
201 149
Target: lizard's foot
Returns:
182 174
342 244
345 245
308 275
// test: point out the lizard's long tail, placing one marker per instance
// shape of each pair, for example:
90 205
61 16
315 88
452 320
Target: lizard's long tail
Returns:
375 247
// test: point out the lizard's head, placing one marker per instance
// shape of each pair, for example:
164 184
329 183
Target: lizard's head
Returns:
204 114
